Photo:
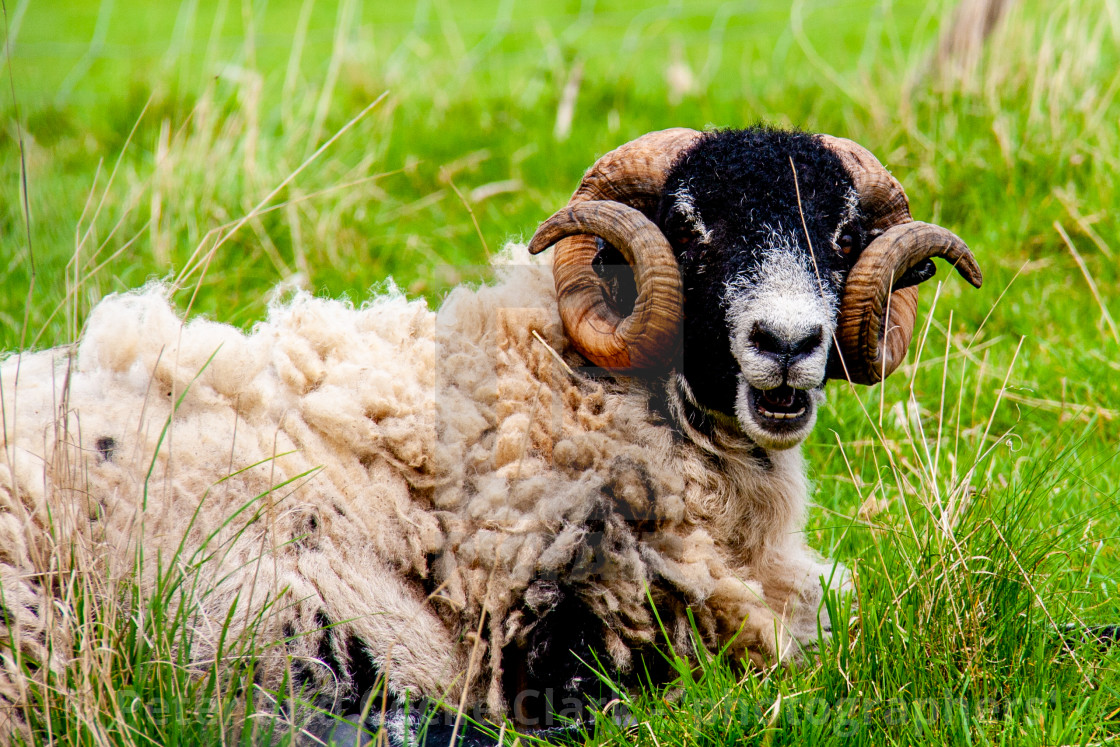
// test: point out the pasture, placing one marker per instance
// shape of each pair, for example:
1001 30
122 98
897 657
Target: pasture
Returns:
237 148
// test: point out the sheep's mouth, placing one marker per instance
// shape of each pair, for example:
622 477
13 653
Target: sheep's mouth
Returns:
782 408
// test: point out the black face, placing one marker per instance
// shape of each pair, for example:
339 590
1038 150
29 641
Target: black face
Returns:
765 227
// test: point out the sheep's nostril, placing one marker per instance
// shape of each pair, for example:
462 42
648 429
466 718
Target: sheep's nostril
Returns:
807 345
767 342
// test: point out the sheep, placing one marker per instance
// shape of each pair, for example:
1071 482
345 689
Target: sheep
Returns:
470 502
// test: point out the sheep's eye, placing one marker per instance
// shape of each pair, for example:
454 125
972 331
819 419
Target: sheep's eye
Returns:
849 242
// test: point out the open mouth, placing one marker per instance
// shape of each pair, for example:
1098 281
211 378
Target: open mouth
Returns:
782 407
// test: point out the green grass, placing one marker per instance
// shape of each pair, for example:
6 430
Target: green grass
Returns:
975 493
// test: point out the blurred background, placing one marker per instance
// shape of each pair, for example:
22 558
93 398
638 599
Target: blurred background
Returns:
153 125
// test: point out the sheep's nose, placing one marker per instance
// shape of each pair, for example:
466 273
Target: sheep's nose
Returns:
787 349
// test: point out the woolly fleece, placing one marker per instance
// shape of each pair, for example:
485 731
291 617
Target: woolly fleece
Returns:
404 477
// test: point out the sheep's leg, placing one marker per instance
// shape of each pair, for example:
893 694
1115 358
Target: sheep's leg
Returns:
775 611
795 583
746 622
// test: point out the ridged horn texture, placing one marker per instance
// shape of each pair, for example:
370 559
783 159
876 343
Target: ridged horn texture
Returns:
609 203
649 336
876 323
881 197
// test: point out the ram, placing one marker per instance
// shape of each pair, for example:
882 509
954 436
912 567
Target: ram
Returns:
470 502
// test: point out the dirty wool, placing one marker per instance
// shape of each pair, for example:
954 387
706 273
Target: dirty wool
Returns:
387 490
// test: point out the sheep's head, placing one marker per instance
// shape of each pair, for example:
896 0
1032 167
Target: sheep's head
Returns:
764 262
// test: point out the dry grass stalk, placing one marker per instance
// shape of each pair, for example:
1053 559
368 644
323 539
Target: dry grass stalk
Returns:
962 43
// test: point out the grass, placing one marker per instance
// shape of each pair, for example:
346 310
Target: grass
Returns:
975 493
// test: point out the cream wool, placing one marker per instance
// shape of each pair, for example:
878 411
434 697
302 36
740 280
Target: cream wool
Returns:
394 479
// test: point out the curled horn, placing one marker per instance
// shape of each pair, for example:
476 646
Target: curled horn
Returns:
876 317
612 202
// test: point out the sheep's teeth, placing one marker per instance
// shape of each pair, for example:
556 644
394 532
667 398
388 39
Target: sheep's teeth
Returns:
781 415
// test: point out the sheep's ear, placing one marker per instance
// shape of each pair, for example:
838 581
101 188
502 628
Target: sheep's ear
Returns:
880 303
649 337
916 275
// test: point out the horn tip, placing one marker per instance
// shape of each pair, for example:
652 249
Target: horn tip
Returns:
970 271
538 243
